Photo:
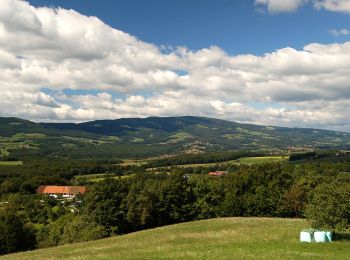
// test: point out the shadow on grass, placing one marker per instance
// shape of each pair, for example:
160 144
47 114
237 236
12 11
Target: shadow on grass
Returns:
342 236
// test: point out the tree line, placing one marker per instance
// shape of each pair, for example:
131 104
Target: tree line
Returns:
318 191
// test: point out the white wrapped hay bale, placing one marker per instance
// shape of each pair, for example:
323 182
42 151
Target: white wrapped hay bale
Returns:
323 236
307 235
329 236
320 236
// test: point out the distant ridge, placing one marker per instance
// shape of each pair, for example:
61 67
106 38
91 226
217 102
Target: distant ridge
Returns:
159 135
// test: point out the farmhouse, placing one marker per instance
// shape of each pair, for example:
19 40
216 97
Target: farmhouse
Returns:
64 191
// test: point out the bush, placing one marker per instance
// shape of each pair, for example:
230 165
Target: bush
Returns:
329 208
70 229
14 234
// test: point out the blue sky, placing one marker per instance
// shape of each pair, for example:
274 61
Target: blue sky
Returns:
237 26
269 62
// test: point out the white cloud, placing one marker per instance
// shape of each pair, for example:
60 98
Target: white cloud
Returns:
281 6
340 32
333 5
110 74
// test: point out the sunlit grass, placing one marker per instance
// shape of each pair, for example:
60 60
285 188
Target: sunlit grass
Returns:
225 238
101 177
10 163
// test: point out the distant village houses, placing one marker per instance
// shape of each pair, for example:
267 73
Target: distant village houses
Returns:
67 192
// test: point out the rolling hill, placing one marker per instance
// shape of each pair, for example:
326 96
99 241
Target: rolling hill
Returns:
140 137
225 238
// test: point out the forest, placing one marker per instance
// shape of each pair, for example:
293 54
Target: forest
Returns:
133 198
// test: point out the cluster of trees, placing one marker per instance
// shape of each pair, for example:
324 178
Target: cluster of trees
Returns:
319 191
121 206
329 206
302 156
24 179
15 234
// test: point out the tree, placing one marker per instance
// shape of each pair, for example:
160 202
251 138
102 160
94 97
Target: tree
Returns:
294 200
104 205
14 234
80 229
141 208
329 207
70 229
209 193
175 200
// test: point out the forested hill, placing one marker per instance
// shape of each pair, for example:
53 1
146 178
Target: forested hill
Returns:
155 135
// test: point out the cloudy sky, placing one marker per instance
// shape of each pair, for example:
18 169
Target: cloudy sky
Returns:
271 62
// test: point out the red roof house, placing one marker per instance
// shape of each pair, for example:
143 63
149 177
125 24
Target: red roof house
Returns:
217 173
64 191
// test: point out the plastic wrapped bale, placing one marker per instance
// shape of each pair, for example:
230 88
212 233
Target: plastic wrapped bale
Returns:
307 235
329 236
323 236
320 237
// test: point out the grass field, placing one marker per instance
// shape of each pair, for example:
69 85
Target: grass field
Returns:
194 165
136 162
10 163
243 160
226 238
101 177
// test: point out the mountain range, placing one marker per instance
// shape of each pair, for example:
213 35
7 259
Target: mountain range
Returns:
152 136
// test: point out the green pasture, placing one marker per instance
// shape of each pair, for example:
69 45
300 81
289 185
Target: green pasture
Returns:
243 160
100 177
225 238
10 163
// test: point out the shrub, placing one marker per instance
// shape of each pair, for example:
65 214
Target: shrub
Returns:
329 208
14 234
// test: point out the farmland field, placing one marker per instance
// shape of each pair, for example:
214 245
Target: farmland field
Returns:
10 163
194 165
225 238
243 160
100 177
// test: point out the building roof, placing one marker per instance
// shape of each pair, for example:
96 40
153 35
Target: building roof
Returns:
217 173
61 189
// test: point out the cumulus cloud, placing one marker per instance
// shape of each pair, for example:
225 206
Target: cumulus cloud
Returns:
280 6
59 65
333 5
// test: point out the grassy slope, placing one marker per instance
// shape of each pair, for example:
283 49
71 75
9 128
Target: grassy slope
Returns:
226 238
10 163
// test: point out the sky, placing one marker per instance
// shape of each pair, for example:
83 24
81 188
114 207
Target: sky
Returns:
270 62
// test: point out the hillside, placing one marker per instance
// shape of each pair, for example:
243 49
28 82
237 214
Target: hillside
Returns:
227 238
140 137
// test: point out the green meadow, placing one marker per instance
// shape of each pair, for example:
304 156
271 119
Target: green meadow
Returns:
10 163
224 238
243 160
100 177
